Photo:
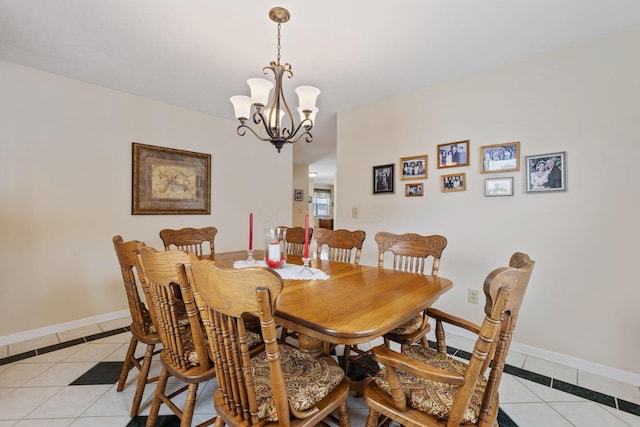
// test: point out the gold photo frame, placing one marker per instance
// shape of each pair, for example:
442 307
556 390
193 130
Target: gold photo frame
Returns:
415 189
453 182
167 181
500 157
414 167
453 154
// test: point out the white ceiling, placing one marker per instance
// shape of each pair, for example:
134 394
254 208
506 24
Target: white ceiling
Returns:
198 53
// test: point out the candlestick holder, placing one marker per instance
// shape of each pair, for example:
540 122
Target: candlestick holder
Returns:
306 271
250 260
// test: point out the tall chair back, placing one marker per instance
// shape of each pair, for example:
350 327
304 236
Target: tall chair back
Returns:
184 350
410 251
142 328
265 389
294 239
343 245
200 241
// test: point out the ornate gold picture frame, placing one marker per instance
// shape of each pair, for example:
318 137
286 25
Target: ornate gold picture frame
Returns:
167 181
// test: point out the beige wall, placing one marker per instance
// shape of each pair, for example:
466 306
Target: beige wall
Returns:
300 209
582 303
65 190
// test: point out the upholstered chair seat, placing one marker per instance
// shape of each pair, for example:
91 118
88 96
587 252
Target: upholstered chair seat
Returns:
308 380
432 397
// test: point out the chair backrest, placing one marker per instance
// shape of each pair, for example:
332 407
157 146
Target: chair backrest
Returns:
294 239
222 296
172 304
504 289
343 244
190 239
141 322
410 251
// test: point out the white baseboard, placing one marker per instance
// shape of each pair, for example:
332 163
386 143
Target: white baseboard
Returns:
54 329
561 359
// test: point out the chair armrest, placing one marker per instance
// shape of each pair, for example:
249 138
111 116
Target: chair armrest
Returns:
394 360
453 320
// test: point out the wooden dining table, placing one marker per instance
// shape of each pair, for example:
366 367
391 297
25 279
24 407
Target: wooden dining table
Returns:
354 305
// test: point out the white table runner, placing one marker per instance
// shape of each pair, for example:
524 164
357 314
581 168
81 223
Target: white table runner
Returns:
290 271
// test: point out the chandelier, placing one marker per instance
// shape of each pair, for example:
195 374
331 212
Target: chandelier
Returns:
272 117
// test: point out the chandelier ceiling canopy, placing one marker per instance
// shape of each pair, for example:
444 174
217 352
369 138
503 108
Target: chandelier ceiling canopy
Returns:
272 117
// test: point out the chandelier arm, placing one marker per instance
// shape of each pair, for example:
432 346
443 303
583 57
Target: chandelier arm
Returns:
259 118
240 131
306 133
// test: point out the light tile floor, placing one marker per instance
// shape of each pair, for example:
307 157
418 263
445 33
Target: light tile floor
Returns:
35 390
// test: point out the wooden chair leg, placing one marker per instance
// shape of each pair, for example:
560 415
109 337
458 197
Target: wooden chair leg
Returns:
142 379
128 363
372 418
157 400
189 405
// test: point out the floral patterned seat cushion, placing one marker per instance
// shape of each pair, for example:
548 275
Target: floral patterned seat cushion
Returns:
432 397
308 380
409 327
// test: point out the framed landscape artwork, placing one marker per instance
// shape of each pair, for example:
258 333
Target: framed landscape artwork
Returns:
383 179
546 172
167 181
413 167
453 154
500 157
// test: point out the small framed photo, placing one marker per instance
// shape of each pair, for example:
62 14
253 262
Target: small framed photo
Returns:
453 154
500 157
453 182
546 172
498 187
298 195
413 167
413 190
383 178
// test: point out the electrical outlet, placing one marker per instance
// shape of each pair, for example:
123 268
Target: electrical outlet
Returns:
472 296
354 213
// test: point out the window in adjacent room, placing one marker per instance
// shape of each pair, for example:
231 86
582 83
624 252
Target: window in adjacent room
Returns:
321 202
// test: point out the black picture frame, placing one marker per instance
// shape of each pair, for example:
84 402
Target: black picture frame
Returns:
383 179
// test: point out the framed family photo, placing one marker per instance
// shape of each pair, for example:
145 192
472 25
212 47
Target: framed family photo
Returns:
453 154
383 179
413 190
413 167
546 172
167 181
498 187
298 195
500 157
453 182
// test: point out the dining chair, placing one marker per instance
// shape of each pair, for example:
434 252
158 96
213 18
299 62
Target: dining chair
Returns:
281 386
142 328
184 351
342 245
411 253
294 239
427 387
191 240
